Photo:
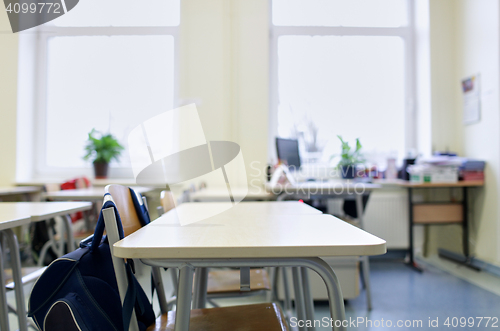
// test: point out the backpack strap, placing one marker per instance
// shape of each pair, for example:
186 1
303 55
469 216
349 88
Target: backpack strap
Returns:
130 298
140 208
99 228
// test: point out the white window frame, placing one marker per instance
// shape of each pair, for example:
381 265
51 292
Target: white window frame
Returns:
44 33
407 33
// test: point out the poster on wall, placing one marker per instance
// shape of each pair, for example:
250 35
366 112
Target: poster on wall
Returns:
472 100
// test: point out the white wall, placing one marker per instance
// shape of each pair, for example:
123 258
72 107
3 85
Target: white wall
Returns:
8 98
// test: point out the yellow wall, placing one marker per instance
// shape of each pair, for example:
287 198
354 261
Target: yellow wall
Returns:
465 37
478 38
445 87
8 101
224 65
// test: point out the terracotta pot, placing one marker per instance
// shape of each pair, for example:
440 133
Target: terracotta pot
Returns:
101 170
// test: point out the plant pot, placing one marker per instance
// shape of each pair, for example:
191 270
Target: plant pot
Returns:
348 172
100 170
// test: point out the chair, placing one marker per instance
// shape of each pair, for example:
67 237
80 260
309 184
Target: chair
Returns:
267 316
221 283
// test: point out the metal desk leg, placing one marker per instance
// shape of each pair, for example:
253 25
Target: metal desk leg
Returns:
365 265
364 259
200 288
466 259
160 289
322 268
4 313
465 223
309 303
175 280
299 298
286 290
70 241
183 313
16 275
411 261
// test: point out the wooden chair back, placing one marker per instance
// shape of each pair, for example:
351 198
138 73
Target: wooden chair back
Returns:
130 222
167 201
123 200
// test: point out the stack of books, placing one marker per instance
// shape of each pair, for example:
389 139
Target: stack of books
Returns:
435 169
472 170
446 169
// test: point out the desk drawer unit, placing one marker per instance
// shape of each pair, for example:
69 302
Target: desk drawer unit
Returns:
436 213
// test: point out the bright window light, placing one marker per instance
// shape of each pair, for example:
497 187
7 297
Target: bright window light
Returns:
110 83
353 86
122 13
360 13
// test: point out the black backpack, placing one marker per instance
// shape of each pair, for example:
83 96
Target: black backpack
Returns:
83 285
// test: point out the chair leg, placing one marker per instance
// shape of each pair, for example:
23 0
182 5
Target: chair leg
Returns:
212 302
274 283
31 324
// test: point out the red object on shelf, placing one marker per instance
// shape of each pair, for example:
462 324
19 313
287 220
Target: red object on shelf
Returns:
472 175
74 184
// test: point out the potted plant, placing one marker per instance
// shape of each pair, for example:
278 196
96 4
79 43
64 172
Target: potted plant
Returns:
102 148
349 159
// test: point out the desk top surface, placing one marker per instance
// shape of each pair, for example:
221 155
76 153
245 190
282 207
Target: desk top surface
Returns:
251 208
257 234
19 190
19 213
221 194
91 193
334 187
462 183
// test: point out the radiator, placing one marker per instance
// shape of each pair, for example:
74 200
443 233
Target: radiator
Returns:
386 216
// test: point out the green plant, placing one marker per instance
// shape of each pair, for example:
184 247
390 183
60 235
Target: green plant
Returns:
102 149
348 157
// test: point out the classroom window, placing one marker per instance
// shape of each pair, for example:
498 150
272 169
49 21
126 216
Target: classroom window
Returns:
105 65
339 68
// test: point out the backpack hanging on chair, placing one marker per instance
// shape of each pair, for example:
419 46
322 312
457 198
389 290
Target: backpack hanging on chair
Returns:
81 288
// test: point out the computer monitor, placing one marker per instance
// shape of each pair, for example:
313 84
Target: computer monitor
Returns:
288 152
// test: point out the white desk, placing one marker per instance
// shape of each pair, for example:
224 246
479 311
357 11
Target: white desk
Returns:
14 214
333 189
88 194
322 189
220 194
197 209
253 240
30 193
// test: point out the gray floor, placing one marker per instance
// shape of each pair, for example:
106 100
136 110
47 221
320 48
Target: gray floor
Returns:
399 294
